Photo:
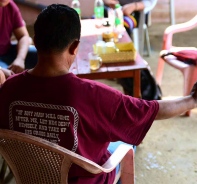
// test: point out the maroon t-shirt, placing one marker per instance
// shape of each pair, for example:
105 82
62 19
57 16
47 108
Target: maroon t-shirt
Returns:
10 19
78 114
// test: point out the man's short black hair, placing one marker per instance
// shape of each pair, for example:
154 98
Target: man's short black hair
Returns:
56 27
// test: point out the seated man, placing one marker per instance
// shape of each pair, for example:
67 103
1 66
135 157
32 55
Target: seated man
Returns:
18 56
78 114
130 10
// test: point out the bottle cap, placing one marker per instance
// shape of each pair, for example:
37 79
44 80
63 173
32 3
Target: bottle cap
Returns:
117 6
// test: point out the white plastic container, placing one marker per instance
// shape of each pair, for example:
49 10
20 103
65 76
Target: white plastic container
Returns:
119 20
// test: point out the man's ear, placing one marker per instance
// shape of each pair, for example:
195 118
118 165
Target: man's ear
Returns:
73 47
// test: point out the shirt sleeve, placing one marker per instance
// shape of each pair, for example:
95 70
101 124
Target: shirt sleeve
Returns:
17 17
132 119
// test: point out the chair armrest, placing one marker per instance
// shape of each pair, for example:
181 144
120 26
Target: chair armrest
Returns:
117 157
177 28
124 153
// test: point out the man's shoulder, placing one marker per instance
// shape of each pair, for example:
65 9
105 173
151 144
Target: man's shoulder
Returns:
12 6
11 9
14 78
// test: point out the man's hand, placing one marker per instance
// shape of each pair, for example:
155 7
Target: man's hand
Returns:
111 3
131 7
128 9
7 72
17 66
194 92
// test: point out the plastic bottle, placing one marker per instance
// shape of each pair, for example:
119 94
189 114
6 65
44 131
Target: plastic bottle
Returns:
111 17
76 5
99 11
119 20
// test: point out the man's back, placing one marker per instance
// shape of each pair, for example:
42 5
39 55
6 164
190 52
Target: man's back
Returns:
81 115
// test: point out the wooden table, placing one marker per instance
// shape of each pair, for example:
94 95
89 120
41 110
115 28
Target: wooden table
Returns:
89 36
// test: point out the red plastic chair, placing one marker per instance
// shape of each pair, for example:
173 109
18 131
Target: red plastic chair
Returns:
189 71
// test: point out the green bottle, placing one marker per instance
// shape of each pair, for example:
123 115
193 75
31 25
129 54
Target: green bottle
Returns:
119 20
99 9
118 15
76 5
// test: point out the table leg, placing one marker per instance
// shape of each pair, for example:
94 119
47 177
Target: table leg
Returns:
137 84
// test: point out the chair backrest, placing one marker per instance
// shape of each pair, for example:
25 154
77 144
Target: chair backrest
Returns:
177 28
150 7
35 160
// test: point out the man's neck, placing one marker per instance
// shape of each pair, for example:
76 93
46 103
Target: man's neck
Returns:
51 66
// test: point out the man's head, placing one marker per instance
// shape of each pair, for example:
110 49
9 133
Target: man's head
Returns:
4 3
56 27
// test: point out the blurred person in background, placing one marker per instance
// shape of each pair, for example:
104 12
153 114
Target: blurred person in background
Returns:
131 9
15 57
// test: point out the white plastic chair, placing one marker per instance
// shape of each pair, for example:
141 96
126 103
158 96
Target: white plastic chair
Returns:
142 30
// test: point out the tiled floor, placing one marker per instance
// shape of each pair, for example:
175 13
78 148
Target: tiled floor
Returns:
184 10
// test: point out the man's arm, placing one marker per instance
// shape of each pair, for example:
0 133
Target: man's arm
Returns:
111 3
131 7
170 108
22 36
